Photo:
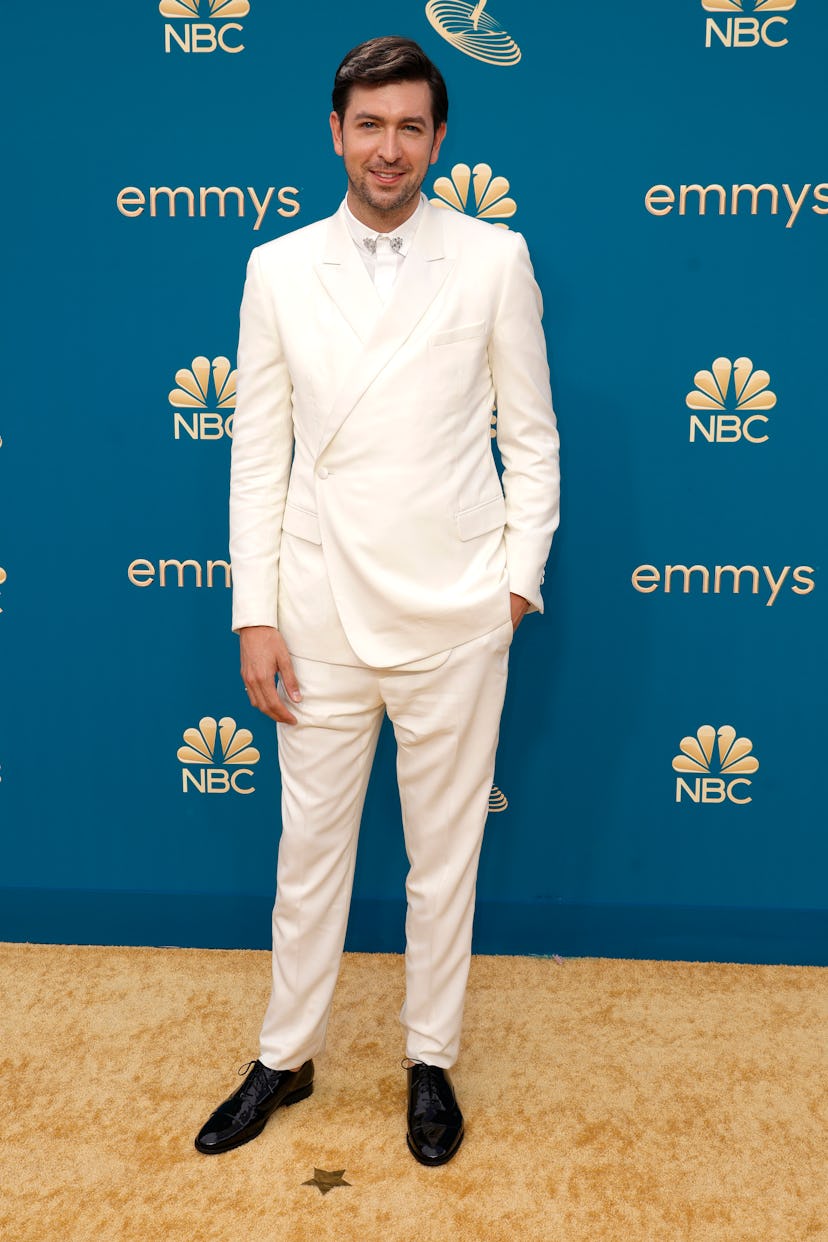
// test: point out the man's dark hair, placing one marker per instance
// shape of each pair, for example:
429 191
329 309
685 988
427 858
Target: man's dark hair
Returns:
390 58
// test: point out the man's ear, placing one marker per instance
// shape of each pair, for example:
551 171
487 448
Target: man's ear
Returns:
336 132
438 139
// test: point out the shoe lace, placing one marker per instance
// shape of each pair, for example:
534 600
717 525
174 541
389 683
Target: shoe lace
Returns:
429 1087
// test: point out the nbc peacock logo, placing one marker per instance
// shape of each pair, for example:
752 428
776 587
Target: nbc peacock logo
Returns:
3 577
730 401
716 764
475 192
221 755
754 6
747 23
209 25
205 399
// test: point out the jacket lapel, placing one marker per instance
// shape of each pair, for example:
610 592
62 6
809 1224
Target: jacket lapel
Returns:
420 279
346 280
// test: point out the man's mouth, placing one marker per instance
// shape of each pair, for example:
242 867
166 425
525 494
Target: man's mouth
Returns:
384 175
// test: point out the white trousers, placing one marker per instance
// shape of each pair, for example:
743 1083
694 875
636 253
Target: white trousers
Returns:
446 718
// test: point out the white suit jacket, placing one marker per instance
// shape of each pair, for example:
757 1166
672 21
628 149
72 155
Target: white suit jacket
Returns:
365 501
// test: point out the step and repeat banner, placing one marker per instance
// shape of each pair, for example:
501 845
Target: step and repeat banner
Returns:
659 779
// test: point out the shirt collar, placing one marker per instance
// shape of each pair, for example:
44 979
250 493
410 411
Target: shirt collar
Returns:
406 231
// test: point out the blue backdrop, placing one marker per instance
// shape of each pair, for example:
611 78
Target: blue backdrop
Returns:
658 780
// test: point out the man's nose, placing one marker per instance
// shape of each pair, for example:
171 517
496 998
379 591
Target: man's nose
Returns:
390 145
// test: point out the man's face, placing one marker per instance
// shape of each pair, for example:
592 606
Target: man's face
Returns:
387 140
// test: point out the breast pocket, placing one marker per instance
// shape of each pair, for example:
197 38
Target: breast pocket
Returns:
457 359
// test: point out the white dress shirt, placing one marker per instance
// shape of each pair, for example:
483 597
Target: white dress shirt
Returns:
382 260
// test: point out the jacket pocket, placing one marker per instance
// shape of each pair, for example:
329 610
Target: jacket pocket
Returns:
465 333
302 523
481 518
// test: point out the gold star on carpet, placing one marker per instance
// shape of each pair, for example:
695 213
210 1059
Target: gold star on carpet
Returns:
326 1181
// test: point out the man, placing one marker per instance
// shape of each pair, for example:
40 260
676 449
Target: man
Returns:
378 564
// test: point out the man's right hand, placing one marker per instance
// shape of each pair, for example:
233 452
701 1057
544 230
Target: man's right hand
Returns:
264 656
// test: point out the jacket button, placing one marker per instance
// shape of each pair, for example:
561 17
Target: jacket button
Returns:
322 472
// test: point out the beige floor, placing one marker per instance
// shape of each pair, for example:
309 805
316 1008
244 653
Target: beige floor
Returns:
606 1101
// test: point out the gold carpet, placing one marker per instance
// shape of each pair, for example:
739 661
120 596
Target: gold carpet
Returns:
604 1100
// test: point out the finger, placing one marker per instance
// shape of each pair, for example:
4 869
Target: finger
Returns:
265 699
280 713
289 680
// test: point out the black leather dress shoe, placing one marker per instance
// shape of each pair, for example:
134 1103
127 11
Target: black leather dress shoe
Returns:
435 1123
244 1114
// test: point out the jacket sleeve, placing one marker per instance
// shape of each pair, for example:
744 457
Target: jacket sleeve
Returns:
261 456
527 433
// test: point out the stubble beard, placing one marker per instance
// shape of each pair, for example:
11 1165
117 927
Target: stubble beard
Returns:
362 192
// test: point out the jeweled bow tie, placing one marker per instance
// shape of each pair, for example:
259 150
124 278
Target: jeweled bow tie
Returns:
370 243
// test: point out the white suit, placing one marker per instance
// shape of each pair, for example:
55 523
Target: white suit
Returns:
369 526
